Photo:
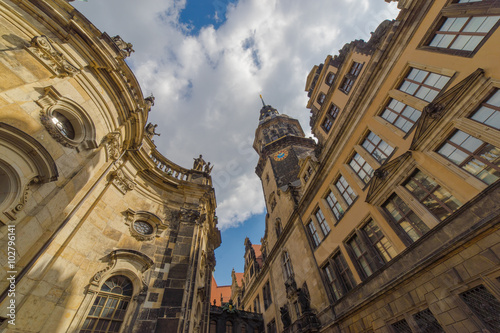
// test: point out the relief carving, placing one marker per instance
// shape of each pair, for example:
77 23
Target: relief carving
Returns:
122 182
125 48
112 142
189 215
55 60
24 198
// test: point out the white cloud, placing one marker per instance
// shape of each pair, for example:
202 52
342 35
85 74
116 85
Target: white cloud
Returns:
207 86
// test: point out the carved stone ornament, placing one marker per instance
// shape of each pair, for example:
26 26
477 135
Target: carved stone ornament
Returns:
381 174
122 182
189 215
24 198
434 111
125 48
112 142
144 226
53 131
55 60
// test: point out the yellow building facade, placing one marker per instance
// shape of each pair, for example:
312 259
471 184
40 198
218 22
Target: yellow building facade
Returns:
99 232
390 222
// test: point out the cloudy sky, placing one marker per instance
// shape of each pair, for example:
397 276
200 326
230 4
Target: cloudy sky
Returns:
207 61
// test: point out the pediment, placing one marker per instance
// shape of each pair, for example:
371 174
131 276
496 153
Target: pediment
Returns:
383 174
433 112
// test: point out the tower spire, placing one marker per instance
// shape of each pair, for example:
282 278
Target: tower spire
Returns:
263 104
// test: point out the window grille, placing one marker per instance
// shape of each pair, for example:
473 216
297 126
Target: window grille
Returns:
401 327
427 322
484 305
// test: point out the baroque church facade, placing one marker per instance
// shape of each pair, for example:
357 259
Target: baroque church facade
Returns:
99 231
390 221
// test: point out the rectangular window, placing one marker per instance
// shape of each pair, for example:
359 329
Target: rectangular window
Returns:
355 68
377 147
401 115
489 112
313 233
473 155
334 205
423 84
484 305
333 111
327 124
426 321
361 256
266 292
405 218
436 199
346 85
325 229
346 191
362 168
339 276
378 241
463 33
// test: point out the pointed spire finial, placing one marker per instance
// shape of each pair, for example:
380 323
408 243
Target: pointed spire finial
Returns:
264 104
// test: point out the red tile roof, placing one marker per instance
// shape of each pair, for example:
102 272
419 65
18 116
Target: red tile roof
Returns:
239 278
218 291
258 254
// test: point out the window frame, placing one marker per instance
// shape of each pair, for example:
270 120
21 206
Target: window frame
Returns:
266 293
345 190
335 207
323 223
342 275
313 233
376 147
361 168
455 9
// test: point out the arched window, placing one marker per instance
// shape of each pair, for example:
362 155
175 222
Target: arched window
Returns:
213 326
229 327
109 308
321 98
287 266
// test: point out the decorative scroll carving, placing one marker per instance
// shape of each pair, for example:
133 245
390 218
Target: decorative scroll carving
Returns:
24 198
189 215
55 60
112 142
122 182
125 48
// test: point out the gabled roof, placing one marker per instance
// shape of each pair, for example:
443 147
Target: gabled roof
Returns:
239 278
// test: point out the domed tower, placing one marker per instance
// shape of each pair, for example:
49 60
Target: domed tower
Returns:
281 144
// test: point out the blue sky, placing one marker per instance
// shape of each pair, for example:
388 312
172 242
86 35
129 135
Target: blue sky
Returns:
207 72
198 14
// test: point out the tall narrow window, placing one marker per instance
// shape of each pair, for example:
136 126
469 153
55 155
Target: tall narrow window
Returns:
401 115
484 305
401 327
229 327
256 304
345 190
377 147
473 155
325 229
346 84
489 112
213 326
266 293
313 233
437 200
362 256
339 276
361 168
271 327
108 311
463 33
423 84
378 241
334 205
278 227
287 265
405 218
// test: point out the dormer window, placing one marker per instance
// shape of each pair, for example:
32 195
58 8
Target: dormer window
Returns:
321 98
330 78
